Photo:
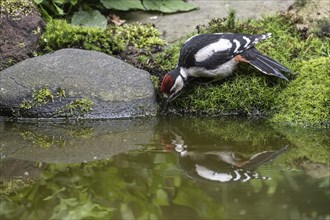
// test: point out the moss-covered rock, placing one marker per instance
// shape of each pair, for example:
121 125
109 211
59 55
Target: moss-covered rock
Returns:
306 100
113 40
73 83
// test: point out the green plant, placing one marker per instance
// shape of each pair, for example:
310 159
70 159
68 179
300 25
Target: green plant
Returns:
39 97
83 105
141 36
113 40
43 96
305 101
59 34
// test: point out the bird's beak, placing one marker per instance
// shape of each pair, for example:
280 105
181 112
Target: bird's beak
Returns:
165 104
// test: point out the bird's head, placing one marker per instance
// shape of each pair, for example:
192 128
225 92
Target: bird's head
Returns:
172 85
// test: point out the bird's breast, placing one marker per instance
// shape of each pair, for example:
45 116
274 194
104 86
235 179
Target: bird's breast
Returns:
222 71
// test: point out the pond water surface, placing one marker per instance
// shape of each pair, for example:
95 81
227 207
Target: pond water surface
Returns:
168 168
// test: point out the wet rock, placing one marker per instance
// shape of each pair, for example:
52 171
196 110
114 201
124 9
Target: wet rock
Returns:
76 83
21 26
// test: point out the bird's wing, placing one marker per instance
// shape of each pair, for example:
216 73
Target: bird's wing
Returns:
211 50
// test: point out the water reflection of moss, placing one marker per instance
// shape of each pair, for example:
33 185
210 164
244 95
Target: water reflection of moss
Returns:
42 140
14 185
309 143
85 132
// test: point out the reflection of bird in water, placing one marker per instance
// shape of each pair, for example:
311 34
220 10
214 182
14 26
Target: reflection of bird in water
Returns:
225 166
222 166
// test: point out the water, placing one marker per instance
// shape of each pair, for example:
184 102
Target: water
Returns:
170 168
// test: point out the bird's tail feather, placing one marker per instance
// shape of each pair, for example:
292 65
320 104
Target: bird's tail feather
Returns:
265 64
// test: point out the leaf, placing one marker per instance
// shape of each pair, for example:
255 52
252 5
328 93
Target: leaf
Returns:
38 1
59 10
60 2
74 2
161 198
168 6
122 5
91 18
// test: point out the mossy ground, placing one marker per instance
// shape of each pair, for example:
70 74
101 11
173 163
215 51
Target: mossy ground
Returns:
113 40
306 100
249 92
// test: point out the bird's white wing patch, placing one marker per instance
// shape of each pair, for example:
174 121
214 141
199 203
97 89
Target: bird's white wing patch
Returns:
211 175
237 45
206 52
247 41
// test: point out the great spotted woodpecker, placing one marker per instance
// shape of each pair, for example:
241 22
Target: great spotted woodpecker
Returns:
215 56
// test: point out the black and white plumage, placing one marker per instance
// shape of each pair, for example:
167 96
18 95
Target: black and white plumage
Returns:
224 166
215 56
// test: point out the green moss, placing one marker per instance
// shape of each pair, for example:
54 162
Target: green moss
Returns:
306 100
59 34
42 140
155 82
241 94
43 96
141 36
39 97
61 93
113 40
79 106
14 185
16 8
26 104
